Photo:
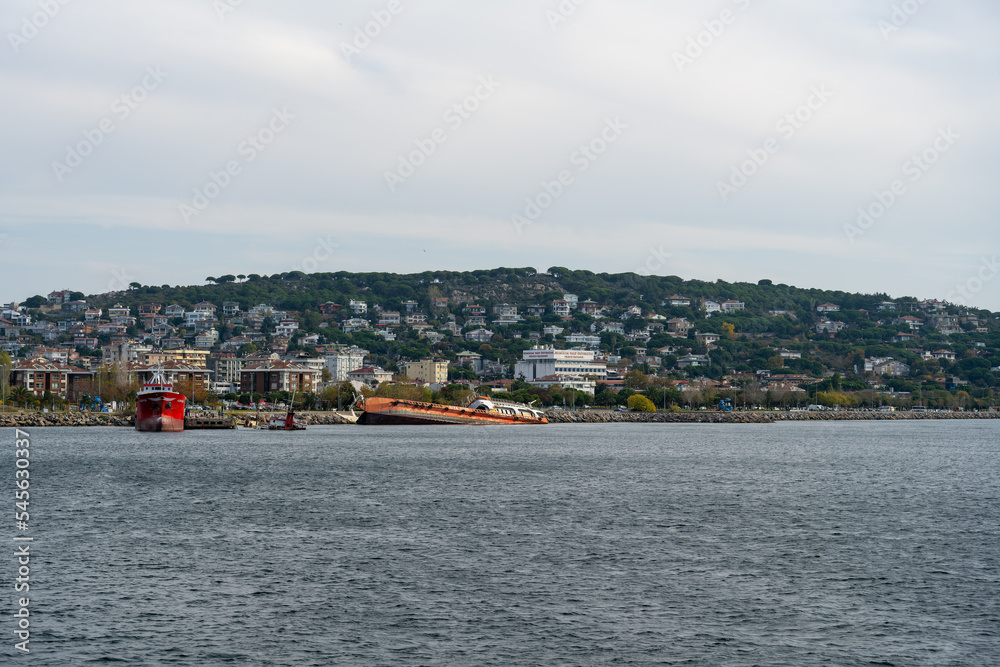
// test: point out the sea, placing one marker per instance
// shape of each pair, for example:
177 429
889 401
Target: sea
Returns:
819 543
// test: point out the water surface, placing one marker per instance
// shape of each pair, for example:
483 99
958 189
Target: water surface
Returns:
832 543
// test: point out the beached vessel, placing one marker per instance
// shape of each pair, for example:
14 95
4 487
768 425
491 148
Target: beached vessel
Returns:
482 410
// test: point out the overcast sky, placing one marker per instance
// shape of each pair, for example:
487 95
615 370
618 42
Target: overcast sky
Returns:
163 142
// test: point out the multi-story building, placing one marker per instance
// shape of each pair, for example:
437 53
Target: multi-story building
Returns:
586 385
677 300
276 375
539 362
370 375
505 311
561 307
536 310
592 341
123 353
206 307
207 339
40 375
829 326
945 324
679 326
479 336
184 355
427 370
342 362
359 307
286 327
186 378
60 297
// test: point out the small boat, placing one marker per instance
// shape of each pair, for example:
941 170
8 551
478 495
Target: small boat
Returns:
158 407
481 410
286 423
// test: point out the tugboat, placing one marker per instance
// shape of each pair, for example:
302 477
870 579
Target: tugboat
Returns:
158 407
482 410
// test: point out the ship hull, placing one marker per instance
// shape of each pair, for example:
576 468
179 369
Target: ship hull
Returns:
160 411
388 411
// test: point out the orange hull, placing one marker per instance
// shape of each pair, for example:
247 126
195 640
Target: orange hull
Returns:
398 411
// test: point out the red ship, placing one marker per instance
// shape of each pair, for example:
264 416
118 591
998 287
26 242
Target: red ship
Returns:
158 407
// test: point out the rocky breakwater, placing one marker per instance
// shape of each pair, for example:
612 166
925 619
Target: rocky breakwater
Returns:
851 415
606 417
326 418
36 419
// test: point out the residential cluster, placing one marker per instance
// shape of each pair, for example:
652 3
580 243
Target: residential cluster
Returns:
599 344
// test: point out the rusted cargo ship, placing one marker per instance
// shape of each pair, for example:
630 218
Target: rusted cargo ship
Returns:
482 410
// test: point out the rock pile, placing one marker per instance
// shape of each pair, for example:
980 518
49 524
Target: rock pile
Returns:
34 419
605 417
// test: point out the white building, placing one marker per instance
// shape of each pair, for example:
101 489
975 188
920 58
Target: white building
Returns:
585 385
207 339
370 375
540 362
343 362
358 307
479 336
584 339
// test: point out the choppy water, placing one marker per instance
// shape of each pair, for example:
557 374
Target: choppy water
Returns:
833 543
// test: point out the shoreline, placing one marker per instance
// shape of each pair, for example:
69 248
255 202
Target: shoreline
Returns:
55 419
609 417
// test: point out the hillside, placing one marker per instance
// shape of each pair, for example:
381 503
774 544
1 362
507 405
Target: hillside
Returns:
775 336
